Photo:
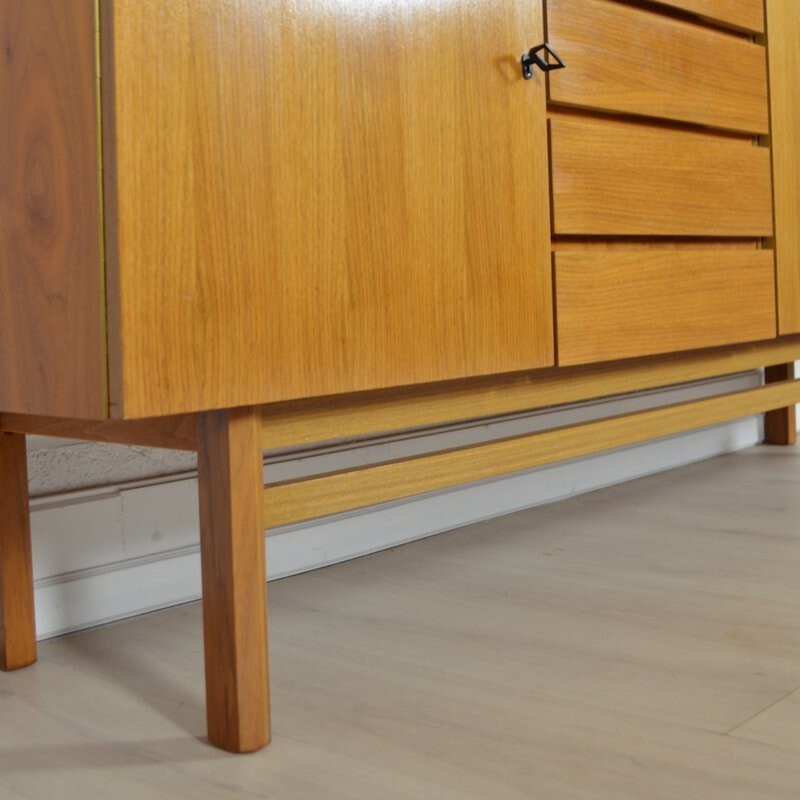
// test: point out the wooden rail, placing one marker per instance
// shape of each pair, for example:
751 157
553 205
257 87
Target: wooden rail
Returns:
330 494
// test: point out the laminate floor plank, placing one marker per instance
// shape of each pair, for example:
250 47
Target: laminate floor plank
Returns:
642 641
529 743
104 738
576 638
622 598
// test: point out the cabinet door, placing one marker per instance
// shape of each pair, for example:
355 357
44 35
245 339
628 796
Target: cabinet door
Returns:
783 47
310 198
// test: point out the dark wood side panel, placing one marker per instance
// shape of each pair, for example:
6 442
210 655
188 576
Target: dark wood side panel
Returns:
174 433
51 327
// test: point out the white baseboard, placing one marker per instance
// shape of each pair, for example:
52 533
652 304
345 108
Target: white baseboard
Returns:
106 554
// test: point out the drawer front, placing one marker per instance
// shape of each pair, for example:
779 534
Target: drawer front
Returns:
621 58
745 14
618 179
624 304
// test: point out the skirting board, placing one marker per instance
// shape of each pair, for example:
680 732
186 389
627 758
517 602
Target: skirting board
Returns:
106 554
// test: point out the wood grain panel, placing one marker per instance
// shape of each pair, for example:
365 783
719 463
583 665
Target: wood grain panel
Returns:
292 424
17 620
613 178
51 334
623 305
626 59
783 32
234 580
331 494
365 210
746 14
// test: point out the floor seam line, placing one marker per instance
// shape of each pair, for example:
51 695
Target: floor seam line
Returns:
763 710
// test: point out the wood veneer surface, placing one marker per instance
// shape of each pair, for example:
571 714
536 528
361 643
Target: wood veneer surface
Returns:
783 18
51 329
348 197
172 433
618 178
333 493
306 422
625 304
234 580
631 60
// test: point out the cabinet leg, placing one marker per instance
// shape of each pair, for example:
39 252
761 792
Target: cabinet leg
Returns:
780 426
234 579
17 621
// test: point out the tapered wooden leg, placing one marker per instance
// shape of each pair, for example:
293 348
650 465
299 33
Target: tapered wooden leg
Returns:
780 426
17 622
234 579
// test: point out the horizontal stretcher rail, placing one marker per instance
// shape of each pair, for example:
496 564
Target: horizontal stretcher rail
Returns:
173 433
344 491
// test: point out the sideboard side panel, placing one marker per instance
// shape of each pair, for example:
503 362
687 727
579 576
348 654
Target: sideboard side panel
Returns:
52 347
783 46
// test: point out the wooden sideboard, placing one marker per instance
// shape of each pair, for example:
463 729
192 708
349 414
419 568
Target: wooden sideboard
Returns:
232 226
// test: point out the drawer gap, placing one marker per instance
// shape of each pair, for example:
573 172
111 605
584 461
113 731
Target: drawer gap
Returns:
558 110
719 25
576 242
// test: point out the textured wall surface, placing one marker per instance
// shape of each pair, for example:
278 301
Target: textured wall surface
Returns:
60 465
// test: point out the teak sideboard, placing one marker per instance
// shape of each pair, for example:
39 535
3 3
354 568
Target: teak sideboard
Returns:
231 225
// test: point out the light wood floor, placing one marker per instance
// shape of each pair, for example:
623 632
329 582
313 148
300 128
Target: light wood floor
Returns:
639 642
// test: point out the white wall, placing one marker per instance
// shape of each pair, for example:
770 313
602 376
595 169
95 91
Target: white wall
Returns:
115 528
